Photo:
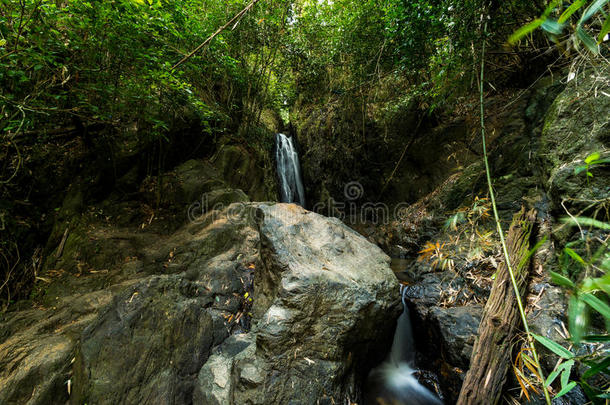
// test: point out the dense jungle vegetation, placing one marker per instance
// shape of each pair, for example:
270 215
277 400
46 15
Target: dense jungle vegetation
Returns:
88 87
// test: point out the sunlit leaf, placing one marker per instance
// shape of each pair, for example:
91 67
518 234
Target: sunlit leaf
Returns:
592 157
591 10
523 31
570 10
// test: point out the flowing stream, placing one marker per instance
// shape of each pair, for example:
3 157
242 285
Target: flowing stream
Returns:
288 171
394 381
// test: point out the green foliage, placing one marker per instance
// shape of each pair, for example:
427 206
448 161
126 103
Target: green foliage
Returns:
73 65
555 26
591 293
592 160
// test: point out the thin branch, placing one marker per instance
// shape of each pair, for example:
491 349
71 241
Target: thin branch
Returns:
218 31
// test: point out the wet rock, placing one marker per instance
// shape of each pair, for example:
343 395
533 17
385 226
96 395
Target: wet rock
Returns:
457 329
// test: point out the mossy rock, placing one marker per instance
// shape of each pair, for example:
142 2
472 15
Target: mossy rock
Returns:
240 169
577 125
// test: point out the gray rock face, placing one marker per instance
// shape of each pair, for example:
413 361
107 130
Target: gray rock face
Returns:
577 125
260 304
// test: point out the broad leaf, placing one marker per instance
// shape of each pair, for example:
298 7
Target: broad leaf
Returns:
592 157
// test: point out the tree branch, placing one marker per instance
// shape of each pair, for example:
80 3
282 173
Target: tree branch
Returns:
211 37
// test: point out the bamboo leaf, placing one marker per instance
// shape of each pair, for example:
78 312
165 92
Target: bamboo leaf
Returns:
592 9
552 377
597 304
596 338
561 280
552 26
584 221
570 252
587 40
571 10
565 376
577 318
523 31
553 346
523 387
531 365
596 368
566 389
604 31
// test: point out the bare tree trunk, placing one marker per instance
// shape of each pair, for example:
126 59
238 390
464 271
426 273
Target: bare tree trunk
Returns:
491 355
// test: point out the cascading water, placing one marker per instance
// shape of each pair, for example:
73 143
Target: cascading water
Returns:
394 381
289 171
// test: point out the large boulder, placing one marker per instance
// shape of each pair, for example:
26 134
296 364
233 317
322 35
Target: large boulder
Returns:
255 304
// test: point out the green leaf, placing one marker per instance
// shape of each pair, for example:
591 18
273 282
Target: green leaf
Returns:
571 10
570 252
597 304
552 26
550 8
596 338
552 377
565 375
553 346
596 368
605 30
566 389
577 318
592 157
523 31
2 42
580 169
584 221
592 9
587 40
561 280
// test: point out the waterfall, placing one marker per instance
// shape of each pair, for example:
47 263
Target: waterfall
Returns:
394 381
289 171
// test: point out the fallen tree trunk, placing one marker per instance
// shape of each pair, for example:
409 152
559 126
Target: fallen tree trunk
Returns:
491 355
